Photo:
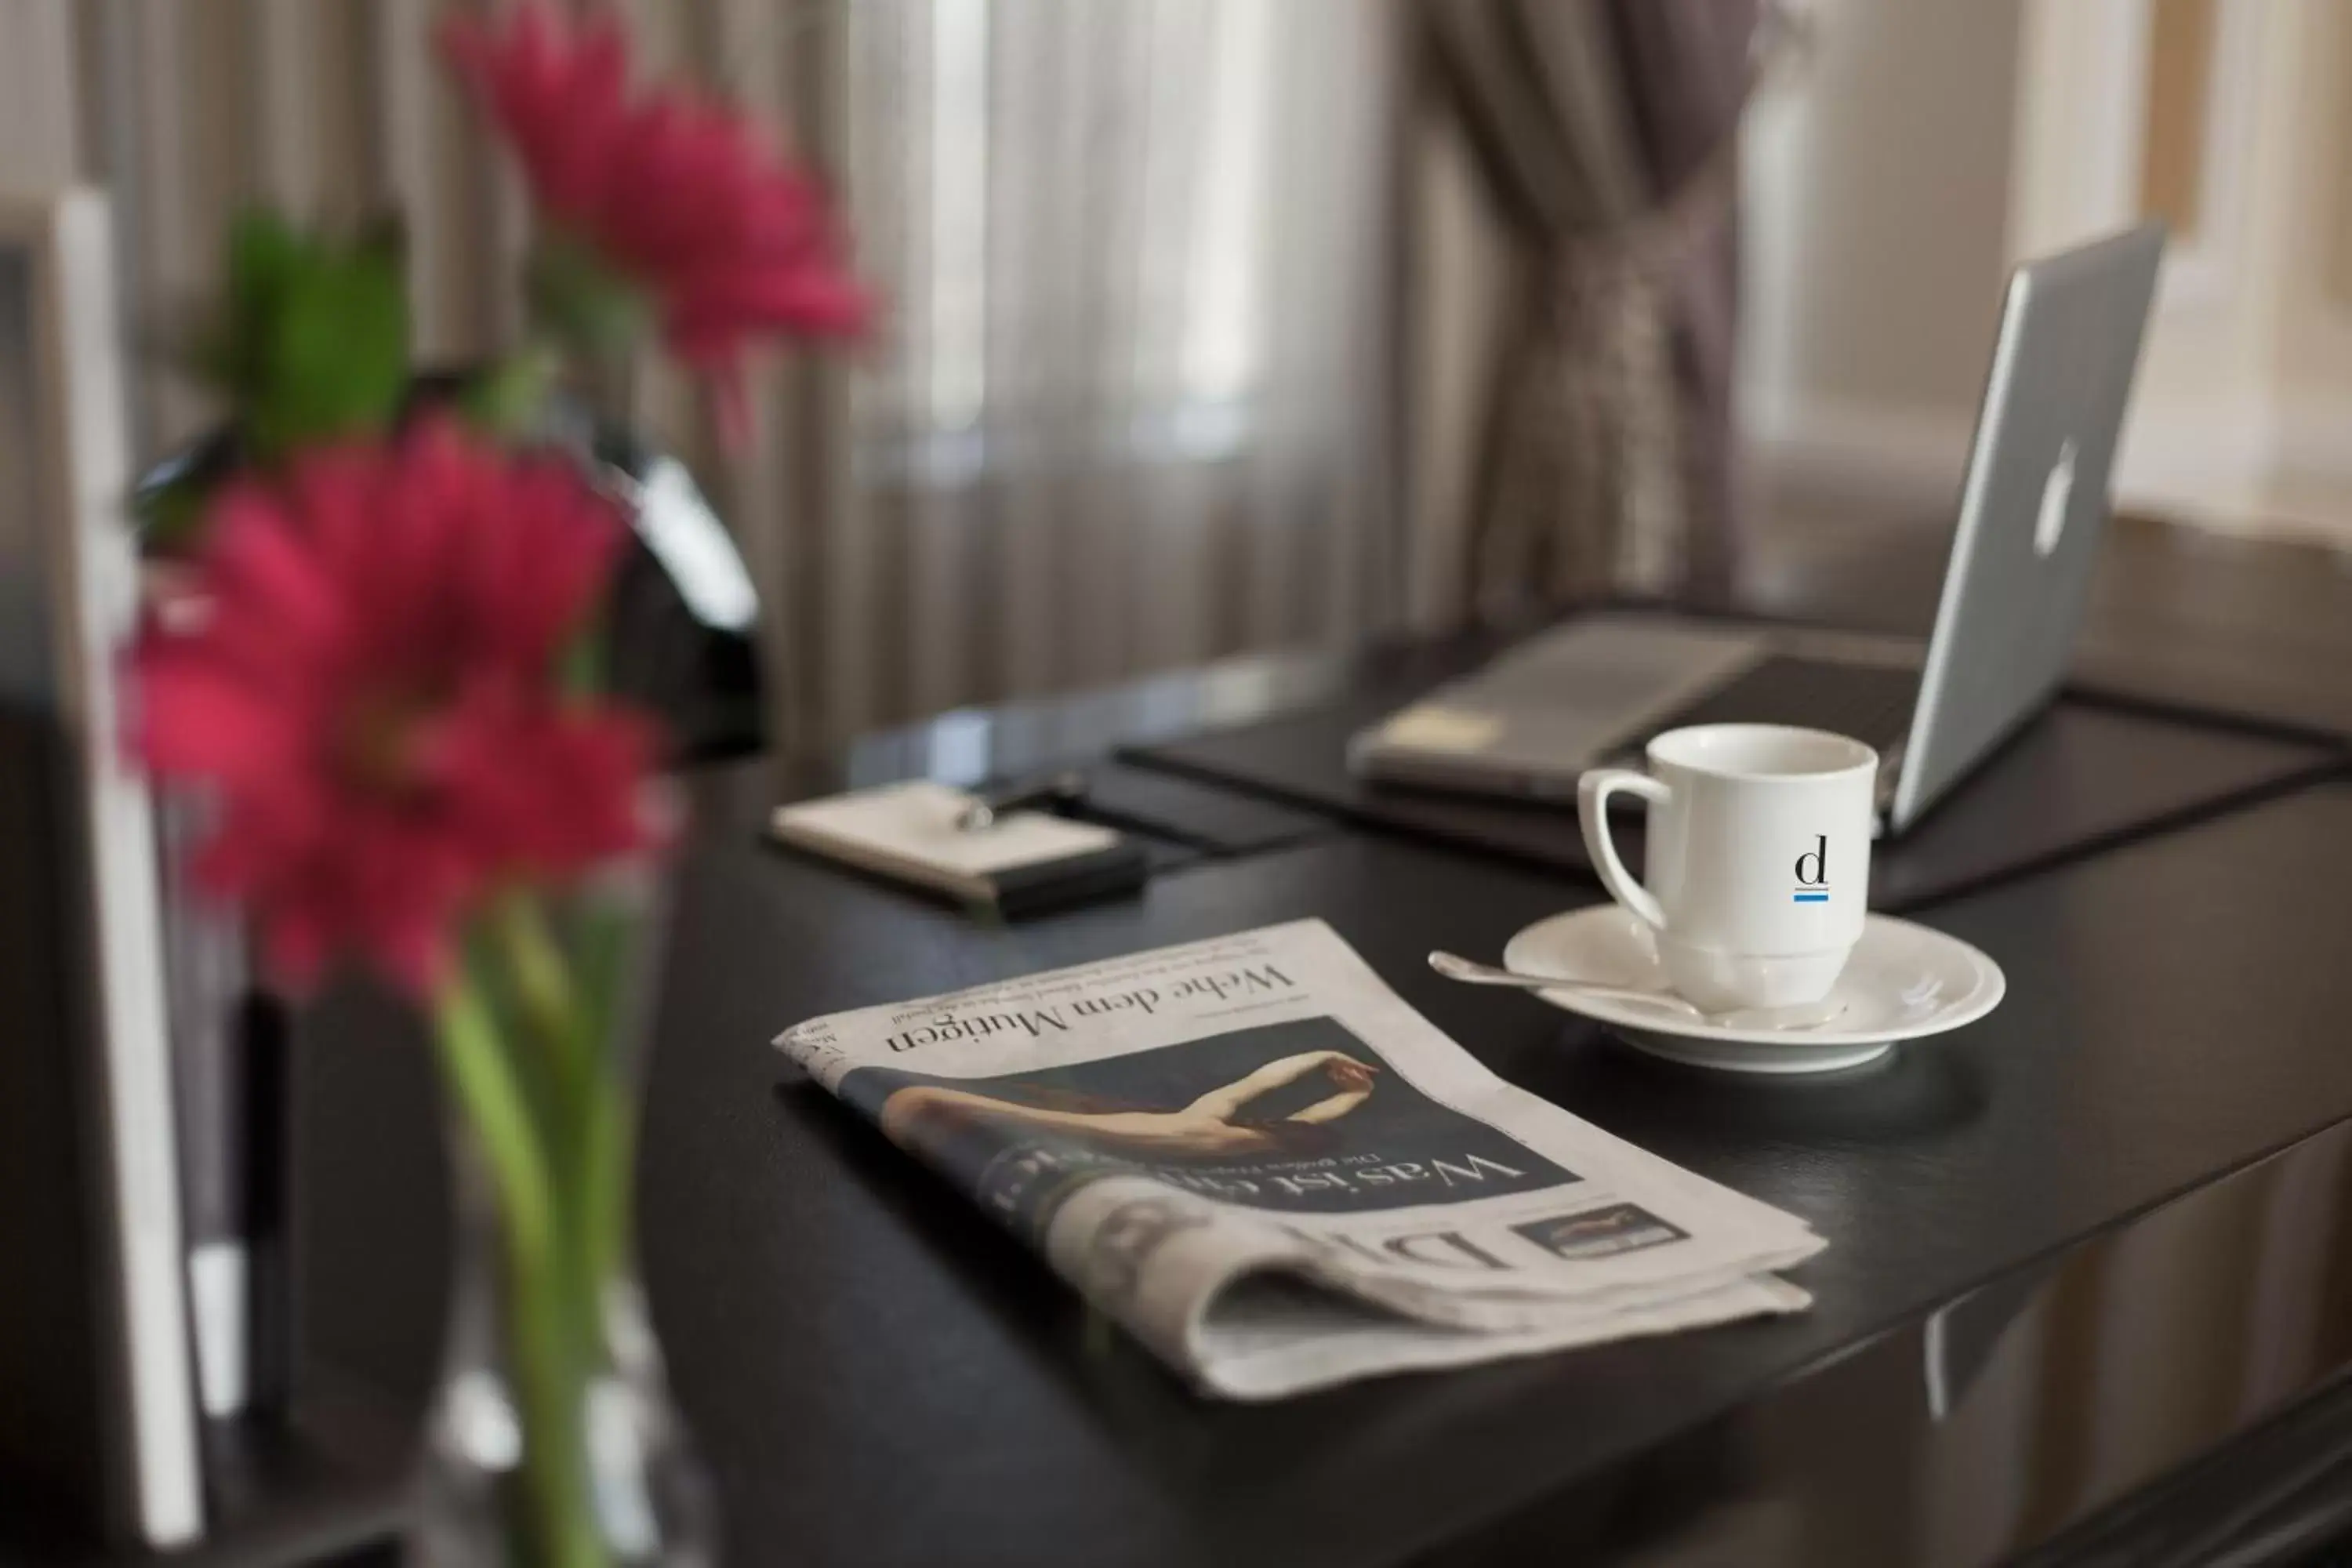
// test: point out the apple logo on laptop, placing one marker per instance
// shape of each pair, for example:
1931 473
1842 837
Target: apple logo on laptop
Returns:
2056 491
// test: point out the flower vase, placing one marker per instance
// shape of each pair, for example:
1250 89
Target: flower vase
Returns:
553 1441
680 615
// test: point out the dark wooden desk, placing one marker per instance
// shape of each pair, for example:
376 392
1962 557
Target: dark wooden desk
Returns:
2100 1236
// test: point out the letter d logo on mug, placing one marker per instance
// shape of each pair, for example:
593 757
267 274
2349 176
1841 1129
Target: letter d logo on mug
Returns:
1759 857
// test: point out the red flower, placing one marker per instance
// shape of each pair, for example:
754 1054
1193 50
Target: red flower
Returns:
678 195
371 685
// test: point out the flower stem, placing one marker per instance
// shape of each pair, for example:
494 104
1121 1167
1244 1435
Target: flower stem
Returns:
582 1089
473 1060
542 980
549 1341
508 401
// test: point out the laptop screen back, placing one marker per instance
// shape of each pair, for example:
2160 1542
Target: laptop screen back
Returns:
2032 507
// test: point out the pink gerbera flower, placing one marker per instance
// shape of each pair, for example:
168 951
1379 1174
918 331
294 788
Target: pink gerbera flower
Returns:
677 194
370 686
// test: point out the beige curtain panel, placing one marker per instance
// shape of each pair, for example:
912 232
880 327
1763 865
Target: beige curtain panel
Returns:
1606 133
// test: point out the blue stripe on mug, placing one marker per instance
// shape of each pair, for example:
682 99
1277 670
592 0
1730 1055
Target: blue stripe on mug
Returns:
1812 898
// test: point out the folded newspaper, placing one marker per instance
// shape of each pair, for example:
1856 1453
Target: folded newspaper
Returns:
1252 1154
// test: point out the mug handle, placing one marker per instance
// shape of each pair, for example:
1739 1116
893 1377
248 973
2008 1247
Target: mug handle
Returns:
1592 793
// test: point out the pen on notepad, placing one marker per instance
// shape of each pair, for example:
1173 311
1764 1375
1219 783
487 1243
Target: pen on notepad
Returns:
983 812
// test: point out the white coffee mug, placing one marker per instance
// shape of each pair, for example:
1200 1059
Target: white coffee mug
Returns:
1759 857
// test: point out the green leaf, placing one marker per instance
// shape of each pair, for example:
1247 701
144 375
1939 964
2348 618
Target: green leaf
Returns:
311 343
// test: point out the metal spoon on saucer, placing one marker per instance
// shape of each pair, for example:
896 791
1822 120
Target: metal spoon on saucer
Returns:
1799 1015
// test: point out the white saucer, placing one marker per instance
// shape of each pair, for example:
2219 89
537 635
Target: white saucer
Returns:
1903 982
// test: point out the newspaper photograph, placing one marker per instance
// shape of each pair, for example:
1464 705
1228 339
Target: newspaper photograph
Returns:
1269 1169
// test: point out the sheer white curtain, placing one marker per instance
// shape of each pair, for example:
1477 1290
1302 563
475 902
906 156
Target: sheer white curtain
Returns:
1135 407
1130 405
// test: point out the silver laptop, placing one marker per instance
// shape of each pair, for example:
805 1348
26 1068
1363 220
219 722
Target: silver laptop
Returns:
2032 512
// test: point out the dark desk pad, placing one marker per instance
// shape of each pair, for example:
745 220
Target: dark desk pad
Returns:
2056 1271
1210 819
2081 776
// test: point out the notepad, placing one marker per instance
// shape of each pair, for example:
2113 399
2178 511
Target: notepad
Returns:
1026 861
